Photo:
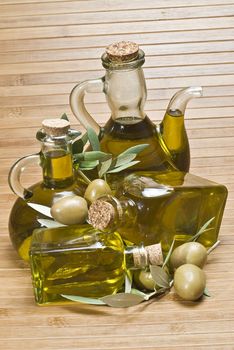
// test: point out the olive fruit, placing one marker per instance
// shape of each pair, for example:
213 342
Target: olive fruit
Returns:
189 282
144 279
189 253
70 210
96 189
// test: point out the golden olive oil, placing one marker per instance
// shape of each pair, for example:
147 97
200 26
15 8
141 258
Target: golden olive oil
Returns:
76 260
126 132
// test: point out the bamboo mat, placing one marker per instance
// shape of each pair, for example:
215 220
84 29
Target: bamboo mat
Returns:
46 47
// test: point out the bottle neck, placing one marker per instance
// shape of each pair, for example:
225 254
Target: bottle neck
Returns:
140 257
126 94
56 162
109 213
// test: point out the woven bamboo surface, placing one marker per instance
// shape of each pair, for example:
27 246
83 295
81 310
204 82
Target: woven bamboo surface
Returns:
46 47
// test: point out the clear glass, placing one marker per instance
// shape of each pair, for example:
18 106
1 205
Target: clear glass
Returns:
125 89
77 260
152 207
58 181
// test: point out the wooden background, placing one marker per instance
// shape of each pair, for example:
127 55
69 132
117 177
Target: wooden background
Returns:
46 47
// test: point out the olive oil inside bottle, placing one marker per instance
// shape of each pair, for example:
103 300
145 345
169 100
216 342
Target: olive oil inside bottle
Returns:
126 132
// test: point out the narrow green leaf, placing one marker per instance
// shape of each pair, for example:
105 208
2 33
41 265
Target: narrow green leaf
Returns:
93 139
122 299
160 276
124 158
104 167
83 300
135 149
65 117
122 167
206 293
202 229
96 155
88 164
49 223
169 253
146 296
128 283
78 145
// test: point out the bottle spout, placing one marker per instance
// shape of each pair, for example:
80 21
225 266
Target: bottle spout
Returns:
178 102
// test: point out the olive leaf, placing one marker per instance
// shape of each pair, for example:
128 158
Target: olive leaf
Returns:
40 208
124 158
202 229
88 164
122 299
206 292
146 296
128 282
84 300
78 145
93 139
50 223
65 117
122 167
135 149
104 166
169 253
92 155
160 276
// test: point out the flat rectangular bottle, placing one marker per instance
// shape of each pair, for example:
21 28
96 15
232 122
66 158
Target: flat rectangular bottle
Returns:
152 207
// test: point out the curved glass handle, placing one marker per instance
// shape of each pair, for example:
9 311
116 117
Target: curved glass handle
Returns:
77 102
15 175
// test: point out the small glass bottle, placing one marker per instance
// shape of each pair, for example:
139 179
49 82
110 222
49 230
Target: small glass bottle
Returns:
58 181
79 260
152 207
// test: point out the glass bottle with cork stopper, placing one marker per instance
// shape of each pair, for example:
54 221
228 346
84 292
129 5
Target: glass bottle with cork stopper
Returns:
82 261
157 207
125 90
55 159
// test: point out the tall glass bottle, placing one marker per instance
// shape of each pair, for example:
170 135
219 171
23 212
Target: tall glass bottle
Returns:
58 181
125 90
152 207
79 260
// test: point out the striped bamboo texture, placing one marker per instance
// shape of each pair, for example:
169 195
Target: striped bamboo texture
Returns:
46 47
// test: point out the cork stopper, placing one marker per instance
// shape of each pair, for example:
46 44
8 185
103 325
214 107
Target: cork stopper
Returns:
150 255
101 214
123 51
56 127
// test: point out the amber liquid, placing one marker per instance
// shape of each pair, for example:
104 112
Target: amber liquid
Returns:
171 206
129 131
58 182
76 260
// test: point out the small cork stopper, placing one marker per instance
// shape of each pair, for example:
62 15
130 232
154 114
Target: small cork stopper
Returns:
155 254
56 127
123 51
149 255
101 214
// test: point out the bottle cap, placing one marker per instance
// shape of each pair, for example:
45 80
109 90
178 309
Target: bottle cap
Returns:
123 51
101 214
56 127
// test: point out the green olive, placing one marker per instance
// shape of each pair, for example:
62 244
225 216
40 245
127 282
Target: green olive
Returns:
189 282
96 189
70 210
189 253
144 280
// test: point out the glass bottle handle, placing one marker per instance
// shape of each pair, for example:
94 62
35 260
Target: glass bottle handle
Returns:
77 101
14 177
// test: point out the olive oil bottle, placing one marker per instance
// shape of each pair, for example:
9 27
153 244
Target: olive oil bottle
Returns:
55 159
125 90
152 207
79 260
